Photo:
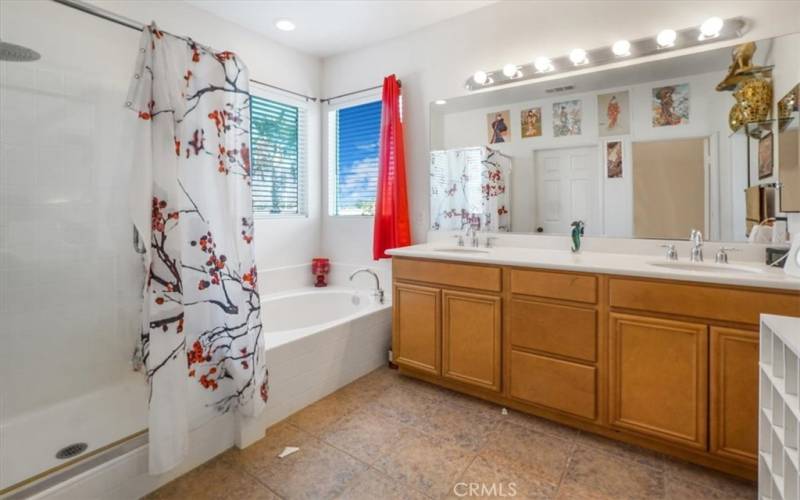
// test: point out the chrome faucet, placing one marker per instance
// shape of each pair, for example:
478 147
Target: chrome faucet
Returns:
378 294
672 251
472 234
696 237
576 234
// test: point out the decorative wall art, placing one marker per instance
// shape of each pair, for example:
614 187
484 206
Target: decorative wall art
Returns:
614 159
567 118
613 114
765 163
531 120
499 126
671 105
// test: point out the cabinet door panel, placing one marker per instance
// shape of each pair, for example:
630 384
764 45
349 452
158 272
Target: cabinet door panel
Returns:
471 338
416 335
734 394
659 378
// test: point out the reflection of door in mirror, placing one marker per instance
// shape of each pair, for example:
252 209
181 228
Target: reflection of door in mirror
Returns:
567 189
669 188
789 166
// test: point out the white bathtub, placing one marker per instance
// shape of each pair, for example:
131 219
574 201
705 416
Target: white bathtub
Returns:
317 340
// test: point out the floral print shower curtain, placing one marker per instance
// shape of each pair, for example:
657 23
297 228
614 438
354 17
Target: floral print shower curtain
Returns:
202 338
469 188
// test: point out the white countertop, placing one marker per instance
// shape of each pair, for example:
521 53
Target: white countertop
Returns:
649 266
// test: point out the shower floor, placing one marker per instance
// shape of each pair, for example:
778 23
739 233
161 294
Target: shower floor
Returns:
29 442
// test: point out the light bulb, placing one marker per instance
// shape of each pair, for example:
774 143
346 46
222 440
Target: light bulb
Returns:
621 48
284 25
480 77
510 70
578 57
543 64
440 102
711 28
666 38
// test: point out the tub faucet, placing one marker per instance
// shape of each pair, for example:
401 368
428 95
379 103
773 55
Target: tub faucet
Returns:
378 290
576 235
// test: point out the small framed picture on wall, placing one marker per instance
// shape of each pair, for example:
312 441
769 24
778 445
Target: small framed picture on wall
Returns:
613 156
765 161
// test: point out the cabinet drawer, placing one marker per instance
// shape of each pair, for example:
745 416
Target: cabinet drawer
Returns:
557 384
568 331
447 273
701 301
554 285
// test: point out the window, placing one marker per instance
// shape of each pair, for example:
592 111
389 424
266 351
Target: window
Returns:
278 143
354 138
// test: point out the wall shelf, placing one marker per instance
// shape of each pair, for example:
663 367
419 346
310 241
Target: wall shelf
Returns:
779 414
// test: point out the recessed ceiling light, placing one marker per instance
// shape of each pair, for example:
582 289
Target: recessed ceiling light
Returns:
621 48
285 25
440 102
666 38
711 28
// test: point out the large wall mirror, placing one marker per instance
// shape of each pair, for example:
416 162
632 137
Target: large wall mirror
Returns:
650 150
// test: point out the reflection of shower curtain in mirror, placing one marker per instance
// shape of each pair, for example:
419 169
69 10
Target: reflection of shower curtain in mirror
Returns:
469 187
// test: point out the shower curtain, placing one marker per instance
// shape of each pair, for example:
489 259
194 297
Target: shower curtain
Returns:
469 188
202 337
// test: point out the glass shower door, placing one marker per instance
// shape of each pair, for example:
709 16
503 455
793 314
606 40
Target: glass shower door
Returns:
70 281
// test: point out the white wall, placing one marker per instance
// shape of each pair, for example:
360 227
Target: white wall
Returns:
434 63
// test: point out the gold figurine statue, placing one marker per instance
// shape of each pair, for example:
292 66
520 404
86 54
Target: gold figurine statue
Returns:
740 67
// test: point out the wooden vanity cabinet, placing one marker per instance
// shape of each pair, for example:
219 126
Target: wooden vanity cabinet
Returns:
734 394
658 373
664 364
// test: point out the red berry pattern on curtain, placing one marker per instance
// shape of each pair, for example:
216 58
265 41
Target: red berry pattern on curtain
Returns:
202 335
392 228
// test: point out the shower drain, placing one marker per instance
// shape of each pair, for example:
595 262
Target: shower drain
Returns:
71 450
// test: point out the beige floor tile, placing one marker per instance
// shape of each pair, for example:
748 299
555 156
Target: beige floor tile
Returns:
683 490
424 463
593 474
403 403
486 478
537 454
317 471
374 485
320 415
214 480
263 452
621 450
465 426
541 425
366 434
679 472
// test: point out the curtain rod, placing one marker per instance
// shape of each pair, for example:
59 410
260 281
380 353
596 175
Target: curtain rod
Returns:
136 25
348 94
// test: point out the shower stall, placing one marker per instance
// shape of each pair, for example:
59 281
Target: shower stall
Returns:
70 280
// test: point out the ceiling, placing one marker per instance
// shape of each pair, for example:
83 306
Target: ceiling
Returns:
329 27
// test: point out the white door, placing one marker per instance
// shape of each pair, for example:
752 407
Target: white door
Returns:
567 189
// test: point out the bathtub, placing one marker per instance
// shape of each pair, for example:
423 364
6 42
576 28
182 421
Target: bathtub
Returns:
317 340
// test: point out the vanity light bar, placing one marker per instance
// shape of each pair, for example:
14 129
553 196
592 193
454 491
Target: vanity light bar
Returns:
690 37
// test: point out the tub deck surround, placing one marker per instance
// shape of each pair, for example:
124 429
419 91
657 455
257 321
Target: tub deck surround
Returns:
601 342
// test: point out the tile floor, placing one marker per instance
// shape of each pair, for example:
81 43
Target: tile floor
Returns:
386 436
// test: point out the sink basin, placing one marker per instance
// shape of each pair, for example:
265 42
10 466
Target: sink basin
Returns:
461 250
706 268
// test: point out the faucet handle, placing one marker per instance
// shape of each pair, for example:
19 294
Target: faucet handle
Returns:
672 251
459 239
490 239
722 254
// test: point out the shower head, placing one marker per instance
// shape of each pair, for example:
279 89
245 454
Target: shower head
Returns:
17 53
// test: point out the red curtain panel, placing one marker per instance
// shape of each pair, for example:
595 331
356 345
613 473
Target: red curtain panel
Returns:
392 227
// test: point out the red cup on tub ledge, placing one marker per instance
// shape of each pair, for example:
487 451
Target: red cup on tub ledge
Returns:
320 267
